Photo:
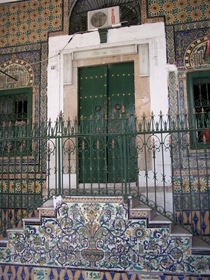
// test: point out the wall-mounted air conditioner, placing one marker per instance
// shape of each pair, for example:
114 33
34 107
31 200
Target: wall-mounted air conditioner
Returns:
103 18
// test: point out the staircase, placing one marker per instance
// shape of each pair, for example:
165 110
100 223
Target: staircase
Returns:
105 233
139 210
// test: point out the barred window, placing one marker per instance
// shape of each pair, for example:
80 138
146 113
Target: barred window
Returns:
199 104
15 106
15 122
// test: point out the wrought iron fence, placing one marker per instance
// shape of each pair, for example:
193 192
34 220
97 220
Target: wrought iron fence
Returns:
161 161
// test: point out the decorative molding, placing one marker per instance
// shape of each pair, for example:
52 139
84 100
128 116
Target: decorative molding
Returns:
194 56
18 69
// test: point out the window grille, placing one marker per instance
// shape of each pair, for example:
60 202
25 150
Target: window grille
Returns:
199 104
15 121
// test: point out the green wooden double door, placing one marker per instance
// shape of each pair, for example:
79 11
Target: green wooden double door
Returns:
106 111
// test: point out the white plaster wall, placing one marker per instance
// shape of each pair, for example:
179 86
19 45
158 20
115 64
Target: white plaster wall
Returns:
153 33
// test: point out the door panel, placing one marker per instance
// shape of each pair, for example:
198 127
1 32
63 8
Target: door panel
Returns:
121 87
121 105
92 97
92 91
106 96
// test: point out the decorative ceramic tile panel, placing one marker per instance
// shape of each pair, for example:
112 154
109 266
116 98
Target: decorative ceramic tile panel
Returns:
99 236
30 272
181 11
29 21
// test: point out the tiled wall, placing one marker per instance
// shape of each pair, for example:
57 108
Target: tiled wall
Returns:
24 30
187 26
180 11
28 22
13 272
90 235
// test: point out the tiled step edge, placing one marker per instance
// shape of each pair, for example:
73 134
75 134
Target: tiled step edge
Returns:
3 242
47 210
199 247
178 231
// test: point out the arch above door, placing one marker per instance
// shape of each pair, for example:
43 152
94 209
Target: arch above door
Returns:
130 12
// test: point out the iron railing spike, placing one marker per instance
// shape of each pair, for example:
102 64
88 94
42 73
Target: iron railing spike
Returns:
146 142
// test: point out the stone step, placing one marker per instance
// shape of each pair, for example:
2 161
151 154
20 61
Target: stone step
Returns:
139 211
199 247
48 203
31 221
47 209
18 230
153 217
142 207
178 231
160 220
3 241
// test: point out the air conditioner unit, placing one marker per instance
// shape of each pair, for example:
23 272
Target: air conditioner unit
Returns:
103 18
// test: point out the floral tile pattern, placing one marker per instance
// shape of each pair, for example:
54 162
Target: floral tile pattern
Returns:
180 11
19 24
99 236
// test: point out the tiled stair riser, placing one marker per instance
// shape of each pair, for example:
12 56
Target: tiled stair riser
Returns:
99 236
29 272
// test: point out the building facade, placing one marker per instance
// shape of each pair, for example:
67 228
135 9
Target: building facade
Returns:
106 104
